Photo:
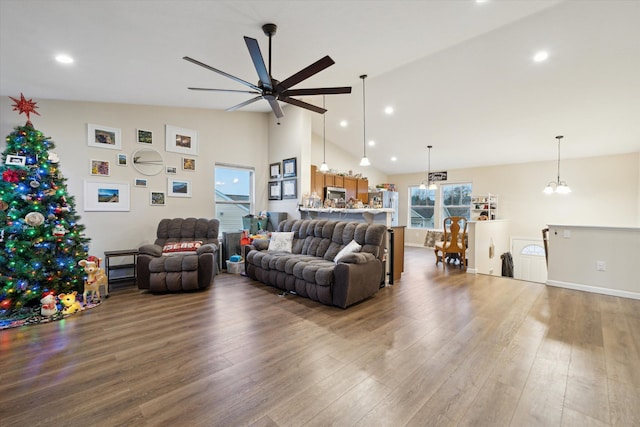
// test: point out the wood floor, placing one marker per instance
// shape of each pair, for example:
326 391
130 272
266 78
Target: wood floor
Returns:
440 347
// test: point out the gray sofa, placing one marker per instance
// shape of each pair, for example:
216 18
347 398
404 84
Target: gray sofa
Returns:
309 269
163 271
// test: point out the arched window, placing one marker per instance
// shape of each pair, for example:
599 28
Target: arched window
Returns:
533 250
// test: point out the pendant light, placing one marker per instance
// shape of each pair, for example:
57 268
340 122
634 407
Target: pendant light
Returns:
558 186
427 184
365 161
323 166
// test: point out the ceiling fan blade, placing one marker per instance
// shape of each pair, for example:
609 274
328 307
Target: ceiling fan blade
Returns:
258 62
215 70
275 107
317 91
245 103
224 90
307 72
303 104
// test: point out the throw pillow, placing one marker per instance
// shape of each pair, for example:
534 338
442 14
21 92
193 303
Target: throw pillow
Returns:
281 241
353 246
181 248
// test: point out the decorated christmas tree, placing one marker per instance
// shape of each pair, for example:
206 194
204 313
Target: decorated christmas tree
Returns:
41 240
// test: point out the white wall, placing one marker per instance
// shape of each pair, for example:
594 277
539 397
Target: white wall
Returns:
237 138
606 192
291 138
342 161
575 252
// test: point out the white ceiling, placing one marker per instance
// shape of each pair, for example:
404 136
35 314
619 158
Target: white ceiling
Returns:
459 74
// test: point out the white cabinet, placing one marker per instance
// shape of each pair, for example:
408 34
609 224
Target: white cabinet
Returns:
484 205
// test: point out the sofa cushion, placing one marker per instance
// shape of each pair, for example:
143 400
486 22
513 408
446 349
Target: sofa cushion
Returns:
351 247
281 241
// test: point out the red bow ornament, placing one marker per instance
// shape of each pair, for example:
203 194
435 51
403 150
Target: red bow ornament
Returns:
10 176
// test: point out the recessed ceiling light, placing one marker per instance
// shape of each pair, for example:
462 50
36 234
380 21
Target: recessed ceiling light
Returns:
388 110
481 1
344 123
371 143
394 158
64 59
541 56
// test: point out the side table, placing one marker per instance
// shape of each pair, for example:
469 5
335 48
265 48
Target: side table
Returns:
108 268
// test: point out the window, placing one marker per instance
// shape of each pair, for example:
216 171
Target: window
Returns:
421 207
456 200
234 196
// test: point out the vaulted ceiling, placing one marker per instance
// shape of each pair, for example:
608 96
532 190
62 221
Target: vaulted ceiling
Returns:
459 74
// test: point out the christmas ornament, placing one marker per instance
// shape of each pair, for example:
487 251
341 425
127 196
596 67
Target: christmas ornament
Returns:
34 219
24 106
53 157
3 205
34 184
10 176
59 230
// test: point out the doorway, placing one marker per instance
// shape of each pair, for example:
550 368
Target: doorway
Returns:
528 259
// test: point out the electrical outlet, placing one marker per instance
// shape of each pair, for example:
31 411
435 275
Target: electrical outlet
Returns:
601 266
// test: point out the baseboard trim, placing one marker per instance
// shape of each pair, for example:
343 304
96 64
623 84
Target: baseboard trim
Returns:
594 289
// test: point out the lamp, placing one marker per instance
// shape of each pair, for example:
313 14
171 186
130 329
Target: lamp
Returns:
428 184
365 161
558 186
323 166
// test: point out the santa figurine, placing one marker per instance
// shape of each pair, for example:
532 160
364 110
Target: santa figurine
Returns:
48 302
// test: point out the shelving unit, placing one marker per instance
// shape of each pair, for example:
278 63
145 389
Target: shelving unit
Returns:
484 203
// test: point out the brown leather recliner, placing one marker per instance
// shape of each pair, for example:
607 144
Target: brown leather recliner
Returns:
173 270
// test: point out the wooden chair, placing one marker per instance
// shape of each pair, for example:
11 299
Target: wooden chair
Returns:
454 240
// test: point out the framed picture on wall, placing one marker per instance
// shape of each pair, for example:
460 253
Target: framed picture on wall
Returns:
140 182
274 170
181 140
122 160
188 164
157 198
144 136
275 190
103 137
289 166
178 187
99 167
106 196
289 189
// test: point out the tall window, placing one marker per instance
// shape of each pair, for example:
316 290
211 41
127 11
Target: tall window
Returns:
234 196
421 207
456 200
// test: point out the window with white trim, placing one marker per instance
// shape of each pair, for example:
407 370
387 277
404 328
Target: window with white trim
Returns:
234 195
422 203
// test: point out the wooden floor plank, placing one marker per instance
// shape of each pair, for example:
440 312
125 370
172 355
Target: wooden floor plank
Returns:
439 347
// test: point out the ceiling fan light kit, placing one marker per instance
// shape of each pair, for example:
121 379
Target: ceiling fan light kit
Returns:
271 89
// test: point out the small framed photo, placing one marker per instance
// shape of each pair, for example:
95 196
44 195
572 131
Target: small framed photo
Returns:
275 190
144 136
289 166
157 198
103 137
180 140
171 170
122 160
15 160
100 168
289 189
140 182
106 196
274 171
188 164
178 187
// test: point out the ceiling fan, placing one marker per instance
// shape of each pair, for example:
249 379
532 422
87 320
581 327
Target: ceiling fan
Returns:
271 89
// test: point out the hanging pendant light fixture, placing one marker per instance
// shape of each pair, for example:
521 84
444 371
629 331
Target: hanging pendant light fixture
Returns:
365 161
558 186
323 166
428 184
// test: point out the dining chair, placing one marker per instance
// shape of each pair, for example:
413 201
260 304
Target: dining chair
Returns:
454 240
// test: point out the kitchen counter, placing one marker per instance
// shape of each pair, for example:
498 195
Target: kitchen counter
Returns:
369 215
